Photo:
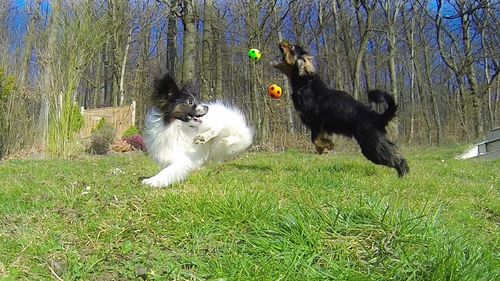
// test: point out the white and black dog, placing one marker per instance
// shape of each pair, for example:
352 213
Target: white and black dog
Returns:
182 135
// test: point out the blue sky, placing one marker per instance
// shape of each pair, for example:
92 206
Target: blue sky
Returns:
20 14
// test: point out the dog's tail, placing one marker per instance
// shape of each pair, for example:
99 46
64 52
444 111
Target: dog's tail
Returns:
378 96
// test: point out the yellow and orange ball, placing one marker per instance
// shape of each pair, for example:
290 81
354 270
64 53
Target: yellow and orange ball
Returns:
274 91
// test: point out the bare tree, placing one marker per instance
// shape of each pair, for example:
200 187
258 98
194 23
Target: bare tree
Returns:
189 43
75 37
118 46
209 55
171 42
365 27
410 40
337 77
459 57
392 10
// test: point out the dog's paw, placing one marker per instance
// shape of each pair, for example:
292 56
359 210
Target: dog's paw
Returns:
152 182
199 139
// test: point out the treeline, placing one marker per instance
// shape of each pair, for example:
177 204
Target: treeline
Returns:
438 58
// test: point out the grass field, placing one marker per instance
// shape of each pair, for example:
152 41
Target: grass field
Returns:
265 216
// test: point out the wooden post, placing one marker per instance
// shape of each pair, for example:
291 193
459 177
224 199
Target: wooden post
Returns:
132 112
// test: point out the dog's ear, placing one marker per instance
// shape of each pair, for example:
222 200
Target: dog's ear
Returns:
191 89
305 65
166 88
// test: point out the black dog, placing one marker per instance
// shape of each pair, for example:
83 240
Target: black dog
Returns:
326 111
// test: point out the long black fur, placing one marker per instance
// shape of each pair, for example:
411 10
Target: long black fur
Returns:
326 111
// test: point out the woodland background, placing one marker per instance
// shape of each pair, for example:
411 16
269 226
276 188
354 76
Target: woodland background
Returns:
440 59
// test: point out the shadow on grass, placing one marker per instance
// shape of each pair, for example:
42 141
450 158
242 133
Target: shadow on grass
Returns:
366 169
326 168
251 167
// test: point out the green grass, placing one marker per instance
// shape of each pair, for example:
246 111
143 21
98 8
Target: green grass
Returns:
266 216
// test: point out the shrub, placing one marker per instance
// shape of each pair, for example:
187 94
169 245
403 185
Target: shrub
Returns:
7 85
137 142
99 145
105 130
102 137
101 124
121 146
131 131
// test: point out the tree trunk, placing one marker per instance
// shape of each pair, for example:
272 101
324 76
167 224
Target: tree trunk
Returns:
189 44
410 38
171 49
470 72
208 58
219 33
286 85
124 66
252 25
336 50
466 67
391 10
108 75
365 31
489 93
96 98
47 79
432 96
325 47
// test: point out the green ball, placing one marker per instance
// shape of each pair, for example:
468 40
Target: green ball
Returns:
254 54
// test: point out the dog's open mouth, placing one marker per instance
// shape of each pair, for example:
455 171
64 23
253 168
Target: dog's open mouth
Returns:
199 112
196 118
281 60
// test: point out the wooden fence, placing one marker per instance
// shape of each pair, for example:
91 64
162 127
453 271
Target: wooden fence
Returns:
121 118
